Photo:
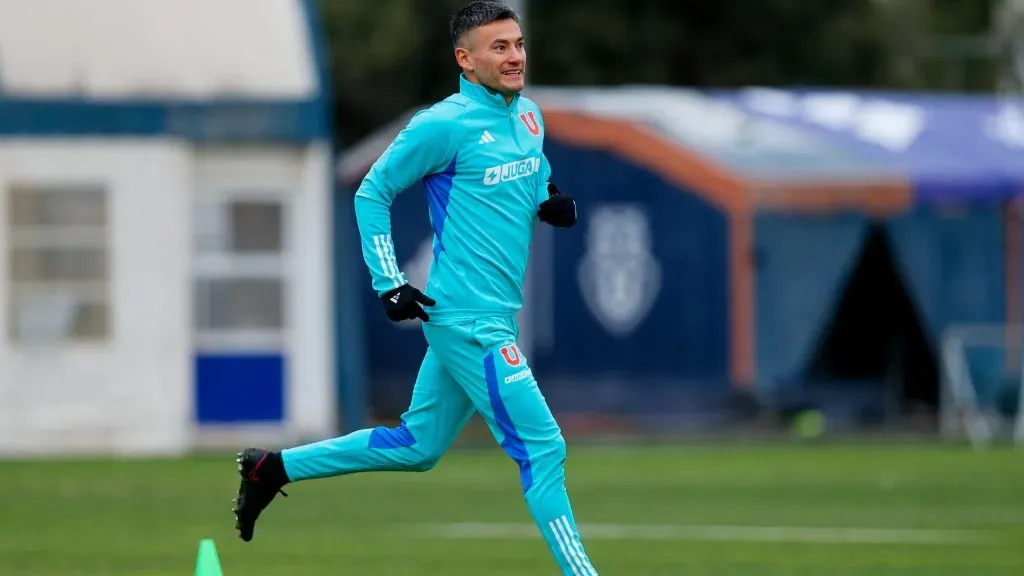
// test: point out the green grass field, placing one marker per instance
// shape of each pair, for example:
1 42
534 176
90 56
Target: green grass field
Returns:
672 511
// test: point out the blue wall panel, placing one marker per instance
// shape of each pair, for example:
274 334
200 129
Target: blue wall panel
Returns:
235 388
685 334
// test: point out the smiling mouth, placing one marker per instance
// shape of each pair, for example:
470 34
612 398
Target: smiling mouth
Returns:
513 74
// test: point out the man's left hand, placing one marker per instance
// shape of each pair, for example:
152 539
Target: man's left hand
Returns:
559 210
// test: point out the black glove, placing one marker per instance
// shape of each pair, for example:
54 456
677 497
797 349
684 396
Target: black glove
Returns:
403 303
558 210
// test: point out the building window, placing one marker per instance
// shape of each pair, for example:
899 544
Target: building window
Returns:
58 263
241 257
256 227
239 304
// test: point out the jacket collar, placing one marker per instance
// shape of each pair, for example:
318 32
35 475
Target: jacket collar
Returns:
484 95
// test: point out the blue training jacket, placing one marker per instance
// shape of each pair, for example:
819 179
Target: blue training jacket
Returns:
483 166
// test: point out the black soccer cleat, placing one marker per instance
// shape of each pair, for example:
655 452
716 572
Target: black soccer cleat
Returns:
262 478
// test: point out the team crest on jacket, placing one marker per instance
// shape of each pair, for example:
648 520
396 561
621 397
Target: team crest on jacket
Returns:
531 123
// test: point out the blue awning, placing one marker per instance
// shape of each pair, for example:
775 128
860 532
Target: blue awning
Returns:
949 146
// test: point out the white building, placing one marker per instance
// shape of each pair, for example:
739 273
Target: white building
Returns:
165 182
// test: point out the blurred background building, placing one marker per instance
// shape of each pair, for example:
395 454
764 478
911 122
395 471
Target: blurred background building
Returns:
787 209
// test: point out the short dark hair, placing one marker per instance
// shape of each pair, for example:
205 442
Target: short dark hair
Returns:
478 13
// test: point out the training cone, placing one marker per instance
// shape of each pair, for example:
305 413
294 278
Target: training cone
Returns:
208 564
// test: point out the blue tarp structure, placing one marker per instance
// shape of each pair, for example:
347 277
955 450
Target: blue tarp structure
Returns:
963 158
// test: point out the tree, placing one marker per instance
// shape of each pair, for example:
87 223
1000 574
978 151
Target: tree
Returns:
391 55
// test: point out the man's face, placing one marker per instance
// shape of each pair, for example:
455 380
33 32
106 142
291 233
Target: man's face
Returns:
496 56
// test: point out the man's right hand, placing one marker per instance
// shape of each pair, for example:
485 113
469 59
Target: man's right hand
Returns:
403 303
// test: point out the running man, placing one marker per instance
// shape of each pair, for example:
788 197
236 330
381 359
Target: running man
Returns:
479 154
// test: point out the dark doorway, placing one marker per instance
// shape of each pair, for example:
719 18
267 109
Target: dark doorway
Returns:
876 336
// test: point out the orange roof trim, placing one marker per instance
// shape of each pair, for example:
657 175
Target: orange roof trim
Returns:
644 148
717 184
